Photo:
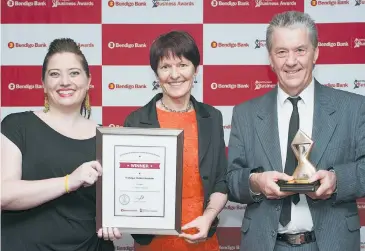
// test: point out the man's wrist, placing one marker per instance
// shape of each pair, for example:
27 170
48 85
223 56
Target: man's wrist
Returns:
210 213
253 184
333 171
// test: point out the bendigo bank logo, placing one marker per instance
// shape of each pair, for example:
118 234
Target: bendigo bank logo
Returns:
113 45
12 3
337 85
215 86
234 206
115 125
333 44
112 3
113 86
331 2
215 44
216 3
13 86
12 45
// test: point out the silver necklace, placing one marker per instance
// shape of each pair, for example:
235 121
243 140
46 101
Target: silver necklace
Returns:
171 110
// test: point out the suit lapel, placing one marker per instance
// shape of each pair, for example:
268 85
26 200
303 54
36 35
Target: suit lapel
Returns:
266 126
204 122
149 118
324 122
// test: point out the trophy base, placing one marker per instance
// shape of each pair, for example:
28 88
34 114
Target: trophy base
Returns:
298 186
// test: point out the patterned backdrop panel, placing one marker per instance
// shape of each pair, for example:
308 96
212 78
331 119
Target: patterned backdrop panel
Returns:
115 37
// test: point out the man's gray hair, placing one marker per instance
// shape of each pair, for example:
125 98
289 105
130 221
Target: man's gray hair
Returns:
292 19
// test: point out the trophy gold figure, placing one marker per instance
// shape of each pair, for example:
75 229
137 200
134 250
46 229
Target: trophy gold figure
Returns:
301 146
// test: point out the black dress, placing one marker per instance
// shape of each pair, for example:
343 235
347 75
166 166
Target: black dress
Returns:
66 223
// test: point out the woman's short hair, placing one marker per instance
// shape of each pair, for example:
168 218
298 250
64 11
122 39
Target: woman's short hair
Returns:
176 43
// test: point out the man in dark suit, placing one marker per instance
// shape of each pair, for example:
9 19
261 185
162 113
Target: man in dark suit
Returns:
260 154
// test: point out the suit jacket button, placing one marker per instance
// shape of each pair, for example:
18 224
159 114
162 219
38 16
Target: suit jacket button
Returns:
273 233
277 208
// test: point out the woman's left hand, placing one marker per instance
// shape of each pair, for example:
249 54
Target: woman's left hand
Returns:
202 224
110 233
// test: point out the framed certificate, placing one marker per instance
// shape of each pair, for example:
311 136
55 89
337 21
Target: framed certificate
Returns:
141 186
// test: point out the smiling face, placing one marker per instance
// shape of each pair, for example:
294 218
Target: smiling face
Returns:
292 58
176 76
65 82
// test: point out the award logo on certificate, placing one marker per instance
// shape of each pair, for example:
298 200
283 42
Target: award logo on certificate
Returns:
141 186
302 146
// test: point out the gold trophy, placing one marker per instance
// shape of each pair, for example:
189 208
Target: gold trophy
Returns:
301 146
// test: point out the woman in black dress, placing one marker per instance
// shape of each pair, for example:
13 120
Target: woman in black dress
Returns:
48 166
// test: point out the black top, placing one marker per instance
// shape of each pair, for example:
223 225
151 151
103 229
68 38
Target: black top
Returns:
66 223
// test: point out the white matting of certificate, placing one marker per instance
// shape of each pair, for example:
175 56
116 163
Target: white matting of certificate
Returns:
139 180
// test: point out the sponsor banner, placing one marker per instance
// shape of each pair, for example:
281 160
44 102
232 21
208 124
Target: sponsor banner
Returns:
130 44
362 238
48 12
231 85
126 243
235 44
136 85
97 114
361 209
247 11
27 44
345 47
5 111
152 11
22 86
349 78
114 116
227 118
96 111
232 215
336 11
229 238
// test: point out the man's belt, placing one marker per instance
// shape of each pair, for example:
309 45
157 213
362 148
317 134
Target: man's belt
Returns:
297 239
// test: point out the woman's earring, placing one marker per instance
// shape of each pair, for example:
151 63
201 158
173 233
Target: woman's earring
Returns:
87 104
195 81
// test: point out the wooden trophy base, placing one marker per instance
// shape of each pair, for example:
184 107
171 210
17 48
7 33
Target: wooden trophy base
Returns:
298 186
